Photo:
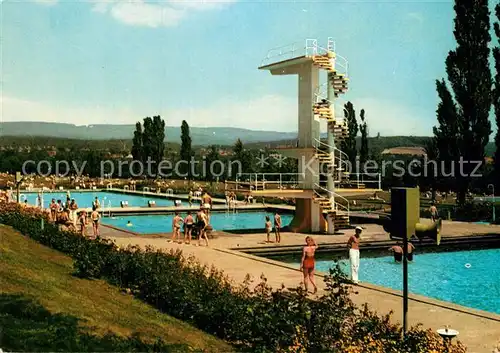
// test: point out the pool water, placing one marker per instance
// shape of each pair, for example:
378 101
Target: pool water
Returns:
148 224
442 276
85 199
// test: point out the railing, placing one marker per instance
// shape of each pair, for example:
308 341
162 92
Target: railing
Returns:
343 162
331 44
230 205
342 62
104 207
261 179
366 178
169 192
331 196
322 93
285 52
297 49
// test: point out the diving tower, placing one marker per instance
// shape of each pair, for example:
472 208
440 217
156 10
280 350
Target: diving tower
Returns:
323 180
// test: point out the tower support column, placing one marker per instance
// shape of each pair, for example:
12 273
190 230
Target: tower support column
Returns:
309 131
331 142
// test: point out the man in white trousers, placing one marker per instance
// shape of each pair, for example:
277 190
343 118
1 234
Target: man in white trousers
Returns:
353 245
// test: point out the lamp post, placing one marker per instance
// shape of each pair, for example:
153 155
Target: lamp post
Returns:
492 201
42 225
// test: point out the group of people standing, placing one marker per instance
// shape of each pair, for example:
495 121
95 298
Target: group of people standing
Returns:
277 228
66 214
205 199
200 226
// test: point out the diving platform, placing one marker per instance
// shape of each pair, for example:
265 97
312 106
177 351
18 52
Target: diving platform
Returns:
324 178
284 64
308 194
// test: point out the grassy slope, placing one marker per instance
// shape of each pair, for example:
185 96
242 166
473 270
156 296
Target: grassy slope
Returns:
41 274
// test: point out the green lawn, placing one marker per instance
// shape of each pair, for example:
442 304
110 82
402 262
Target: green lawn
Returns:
44 308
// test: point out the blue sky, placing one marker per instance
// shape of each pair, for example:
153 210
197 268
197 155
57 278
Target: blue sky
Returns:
118 61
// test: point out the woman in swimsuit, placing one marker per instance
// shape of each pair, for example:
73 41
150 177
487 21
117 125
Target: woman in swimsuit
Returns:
95 216
307 263
188 227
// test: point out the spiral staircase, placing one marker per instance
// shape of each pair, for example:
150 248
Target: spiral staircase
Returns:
323 185
332 157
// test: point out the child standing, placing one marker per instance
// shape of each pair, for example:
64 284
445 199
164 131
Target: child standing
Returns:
82 221
269 227
176 227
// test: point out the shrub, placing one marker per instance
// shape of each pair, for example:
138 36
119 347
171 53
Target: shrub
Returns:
259 319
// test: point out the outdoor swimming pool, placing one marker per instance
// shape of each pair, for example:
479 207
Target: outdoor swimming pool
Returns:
442 276
149 224
85 199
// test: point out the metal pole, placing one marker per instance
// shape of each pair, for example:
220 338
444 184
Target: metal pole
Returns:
405 284
492 202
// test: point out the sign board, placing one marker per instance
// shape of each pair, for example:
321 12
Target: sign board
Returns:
405 211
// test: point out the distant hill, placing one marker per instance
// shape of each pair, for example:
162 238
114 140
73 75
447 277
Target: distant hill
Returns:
200 135
376 144
204 136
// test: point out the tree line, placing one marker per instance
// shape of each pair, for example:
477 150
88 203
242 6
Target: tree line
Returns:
350 144
466 97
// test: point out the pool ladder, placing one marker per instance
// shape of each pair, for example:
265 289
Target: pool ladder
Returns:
104 209
228 207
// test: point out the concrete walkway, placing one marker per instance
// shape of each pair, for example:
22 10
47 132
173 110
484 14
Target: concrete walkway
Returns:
478 330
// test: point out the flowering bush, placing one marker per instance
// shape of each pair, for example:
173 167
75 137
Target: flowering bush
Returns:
259 319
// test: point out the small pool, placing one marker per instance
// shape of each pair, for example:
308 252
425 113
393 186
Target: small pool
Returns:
107 199
149 224
442 276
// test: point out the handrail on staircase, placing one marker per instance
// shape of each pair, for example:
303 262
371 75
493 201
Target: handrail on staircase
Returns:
319 142
335 149
332 196
344 64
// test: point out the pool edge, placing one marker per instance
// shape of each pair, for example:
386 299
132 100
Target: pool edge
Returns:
412 297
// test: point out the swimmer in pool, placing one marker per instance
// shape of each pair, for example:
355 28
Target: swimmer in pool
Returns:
129 224
398 251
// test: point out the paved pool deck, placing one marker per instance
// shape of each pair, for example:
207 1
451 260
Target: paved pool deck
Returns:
479 330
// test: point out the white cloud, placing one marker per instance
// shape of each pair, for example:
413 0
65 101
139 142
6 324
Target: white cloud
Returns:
391 119
155 14
46 2
266 113
201 4
271 113
15 109
416 16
